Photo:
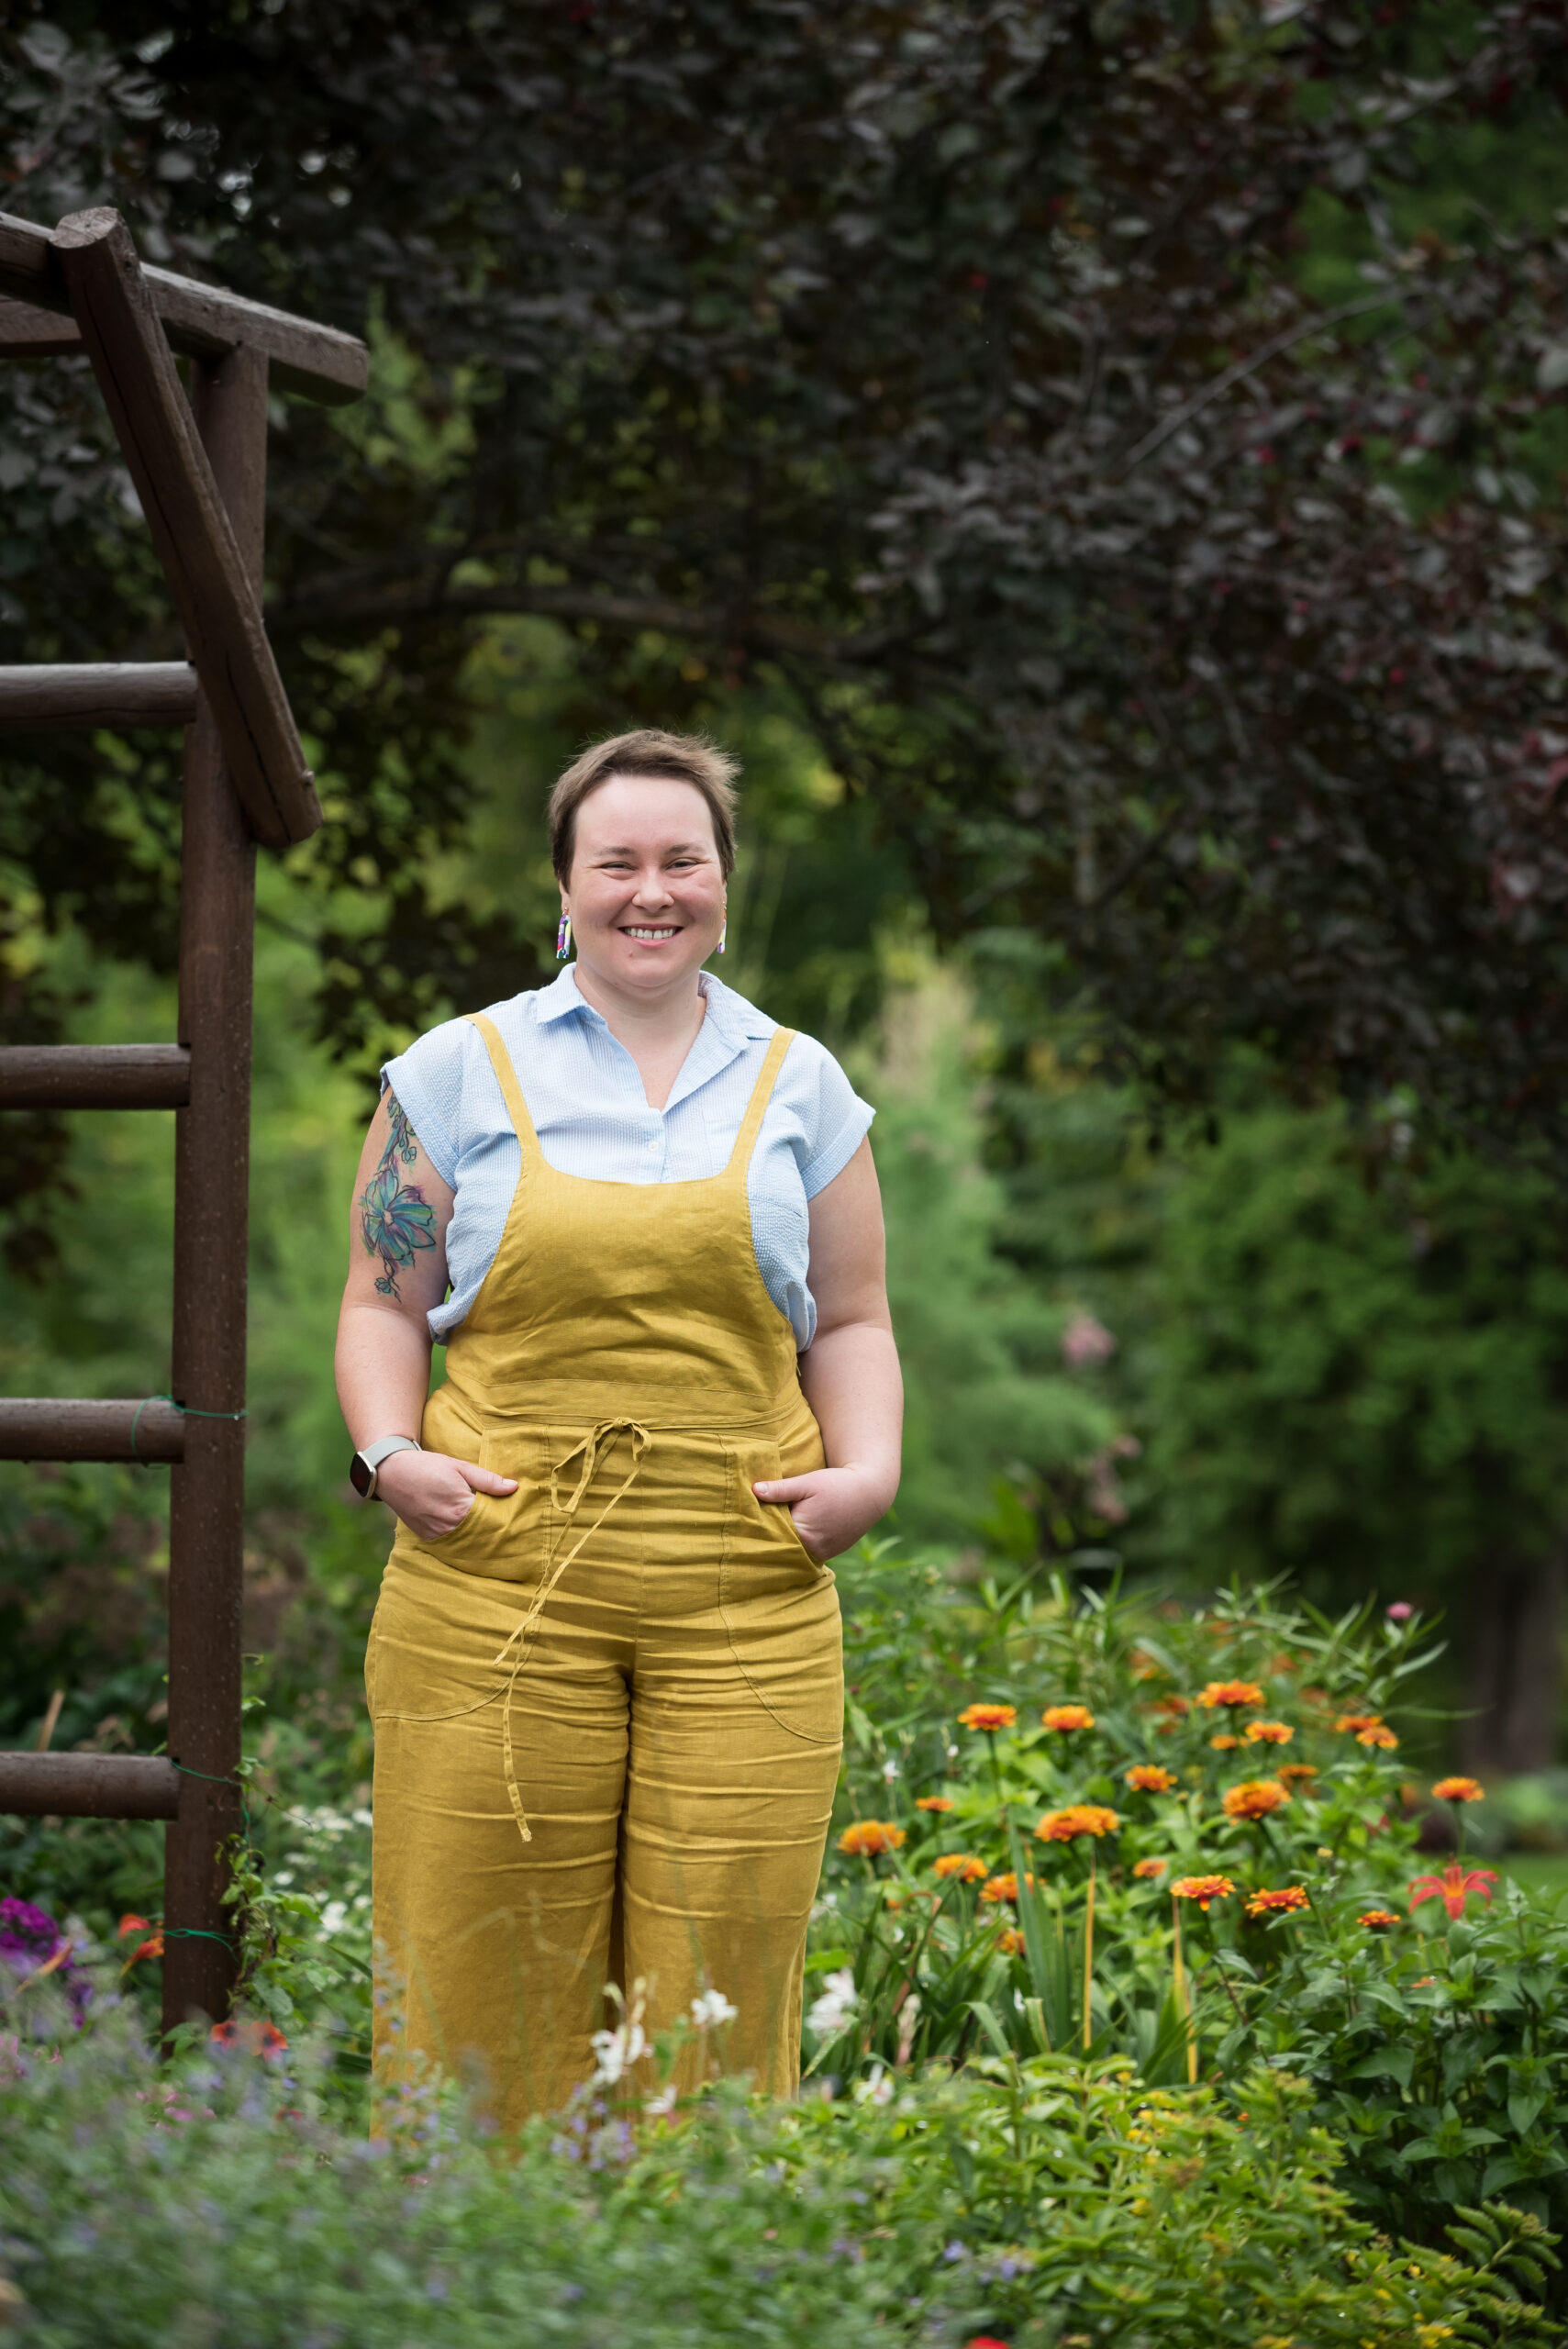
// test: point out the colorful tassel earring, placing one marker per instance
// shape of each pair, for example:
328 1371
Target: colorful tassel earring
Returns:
563 938
723 934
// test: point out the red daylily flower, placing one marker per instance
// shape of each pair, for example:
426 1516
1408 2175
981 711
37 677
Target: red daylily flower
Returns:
1453 1886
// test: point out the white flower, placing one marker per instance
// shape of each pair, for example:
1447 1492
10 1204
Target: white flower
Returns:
661 2104
890 1770
617 2051
711 2008
952 1753
878 2089
333 1918
832 2010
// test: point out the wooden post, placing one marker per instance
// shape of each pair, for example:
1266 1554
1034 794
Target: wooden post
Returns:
211 1180
219 606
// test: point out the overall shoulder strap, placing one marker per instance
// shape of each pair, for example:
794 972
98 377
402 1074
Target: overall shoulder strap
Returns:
757 1107
507 1077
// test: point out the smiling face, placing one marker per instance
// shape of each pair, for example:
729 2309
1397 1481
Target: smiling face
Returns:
646 890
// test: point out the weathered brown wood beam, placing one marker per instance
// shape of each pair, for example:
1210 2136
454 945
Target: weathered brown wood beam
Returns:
95 1077
203 321
190 526
26 332
89 1785
99 692
47 1427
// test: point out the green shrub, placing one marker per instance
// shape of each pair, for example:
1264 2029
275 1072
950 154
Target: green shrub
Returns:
214 2202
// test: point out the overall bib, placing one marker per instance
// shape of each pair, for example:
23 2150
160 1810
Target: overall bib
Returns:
609 1707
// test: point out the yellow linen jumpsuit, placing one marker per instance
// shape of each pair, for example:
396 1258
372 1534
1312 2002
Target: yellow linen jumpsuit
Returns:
609 1707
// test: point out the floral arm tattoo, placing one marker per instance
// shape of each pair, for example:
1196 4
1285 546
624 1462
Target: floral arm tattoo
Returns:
395 1218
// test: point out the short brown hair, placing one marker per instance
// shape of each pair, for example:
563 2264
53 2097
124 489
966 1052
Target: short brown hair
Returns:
684 758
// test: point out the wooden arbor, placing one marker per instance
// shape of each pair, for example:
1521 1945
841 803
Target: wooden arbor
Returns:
199 468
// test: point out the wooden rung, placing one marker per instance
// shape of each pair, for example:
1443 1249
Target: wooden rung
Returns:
95 1077
43 1427
89 1785
205 321
99 693
30 333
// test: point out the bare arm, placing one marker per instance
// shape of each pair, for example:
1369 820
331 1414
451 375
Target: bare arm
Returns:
849 1373
397 1273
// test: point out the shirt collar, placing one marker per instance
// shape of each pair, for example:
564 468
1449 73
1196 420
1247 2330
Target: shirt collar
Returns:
729 1020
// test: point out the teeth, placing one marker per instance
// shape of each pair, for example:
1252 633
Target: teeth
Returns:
649 933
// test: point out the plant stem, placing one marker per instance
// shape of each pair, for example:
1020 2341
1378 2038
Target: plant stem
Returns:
1089 1951
1184 2003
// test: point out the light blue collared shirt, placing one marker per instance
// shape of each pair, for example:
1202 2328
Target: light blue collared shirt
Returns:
593 1119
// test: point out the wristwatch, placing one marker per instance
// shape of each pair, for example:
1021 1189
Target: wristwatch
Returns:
365 1465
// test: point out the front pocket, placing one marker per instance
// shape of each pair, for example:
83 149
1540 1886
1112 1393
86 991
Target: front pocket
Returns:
504 1536
780 1606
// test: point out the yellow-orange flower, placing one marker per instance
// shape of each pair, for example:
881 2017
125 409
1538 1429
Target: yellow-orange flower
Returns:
867 1837
1068 1716
1173 1705
1268 1732
1202 1889
933 1802
1146 1869
962 1865
1459 1790
1296 1773
1378 1918
1078 1818
988 1717
1010 1942
1377 1733
1230 1692
998 1888
1225 1743
1148 1778
1356 1722
1255 1799
1270 1904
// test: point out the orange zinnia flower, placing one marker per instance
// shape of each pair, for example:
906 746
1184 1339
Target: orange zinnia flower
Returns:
1225 1743
962 1865
1175 1706
1377 1733
1202 1889
1010 1942
1230 1692
1459 1790
988 1717
1078 1818
1270 1904
1378 1918
256 2038
1255 1799
867 1837
1356 1722
1146 1869
1296 1773
933 1802
998 1888
1068 1716
1268 1732
1148 1778
1453 1887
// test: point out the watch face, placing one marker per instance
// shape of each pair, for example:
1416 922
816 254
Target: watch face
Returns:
361 1475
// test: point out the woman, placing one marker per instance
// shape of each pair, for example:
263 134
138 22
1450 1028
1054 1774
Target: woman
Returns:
604 1670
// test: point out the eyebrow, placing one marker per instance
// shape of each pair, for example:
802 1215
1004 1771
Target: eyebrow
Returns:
676 848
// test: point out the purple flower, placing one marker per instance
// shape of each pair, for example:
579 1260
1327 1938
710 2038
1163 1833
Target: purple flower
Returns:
29 1938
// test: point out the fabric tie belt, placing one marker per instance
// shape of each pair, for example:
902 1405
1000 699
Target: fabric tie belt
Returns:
597 1440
